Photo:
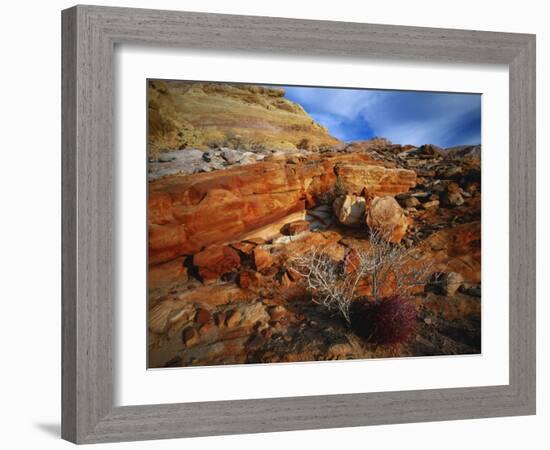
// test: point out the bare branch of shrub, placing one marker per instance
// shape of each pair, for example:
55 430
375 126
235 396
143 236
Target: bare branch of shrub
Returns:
334 283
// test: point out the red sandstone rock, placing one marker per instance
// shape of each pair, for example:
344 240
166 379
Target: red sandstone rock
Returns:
188 213
245 247
262 258
169 241
380 181
216 260
247 279
202 316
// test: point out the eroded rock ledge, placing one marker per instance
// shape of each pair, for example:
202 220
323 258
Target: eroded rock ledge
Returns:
188 213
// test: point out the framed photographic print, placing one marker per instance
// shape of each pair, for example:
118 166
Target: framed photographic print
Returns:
306 219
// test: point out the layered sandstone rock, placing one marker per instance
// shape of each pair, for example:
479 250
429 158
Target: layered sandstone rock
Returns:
375 179
188 213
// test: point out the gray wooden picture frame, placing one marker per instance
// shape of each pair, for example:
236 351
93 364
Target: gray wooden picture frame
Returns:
90 34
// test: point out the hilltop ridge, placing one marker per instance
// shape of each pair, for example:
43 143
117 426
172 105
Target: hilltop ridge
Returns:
208 115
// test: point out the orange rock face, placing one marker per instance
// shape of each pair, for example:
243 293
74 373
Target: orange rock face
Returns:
189 213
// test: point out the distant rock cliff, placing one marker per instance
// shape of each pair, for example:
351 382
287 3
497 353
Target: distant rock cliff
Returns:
208 115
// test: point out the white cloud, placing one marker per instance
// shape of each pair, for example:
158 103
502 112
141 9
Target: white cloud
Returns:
404 117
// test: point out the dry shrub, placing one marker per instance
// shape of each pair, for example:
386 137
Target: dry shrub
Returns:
333 285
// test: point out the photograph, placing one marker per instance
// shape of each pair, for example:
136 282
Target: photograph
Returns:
297 223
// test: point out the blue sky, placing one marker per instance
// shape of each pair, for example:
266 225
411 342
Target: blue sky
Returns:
403 117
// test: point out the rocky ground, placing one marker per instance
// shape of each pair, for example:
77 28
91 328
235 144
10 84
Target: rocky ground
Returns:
225 224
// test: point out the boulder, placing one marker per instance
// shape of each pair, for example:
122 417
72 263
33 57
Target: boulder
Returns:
386 216
262 258
185 161
212 155
216 260
350 210
231 156
457 249
353 178
202 316
249 158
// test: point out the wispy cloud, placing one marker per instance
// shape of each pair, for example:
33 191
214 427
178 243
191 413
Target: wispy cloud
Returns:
404 117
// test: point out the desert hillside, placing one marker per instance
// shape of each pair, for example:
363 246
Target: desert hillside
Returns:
185 115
